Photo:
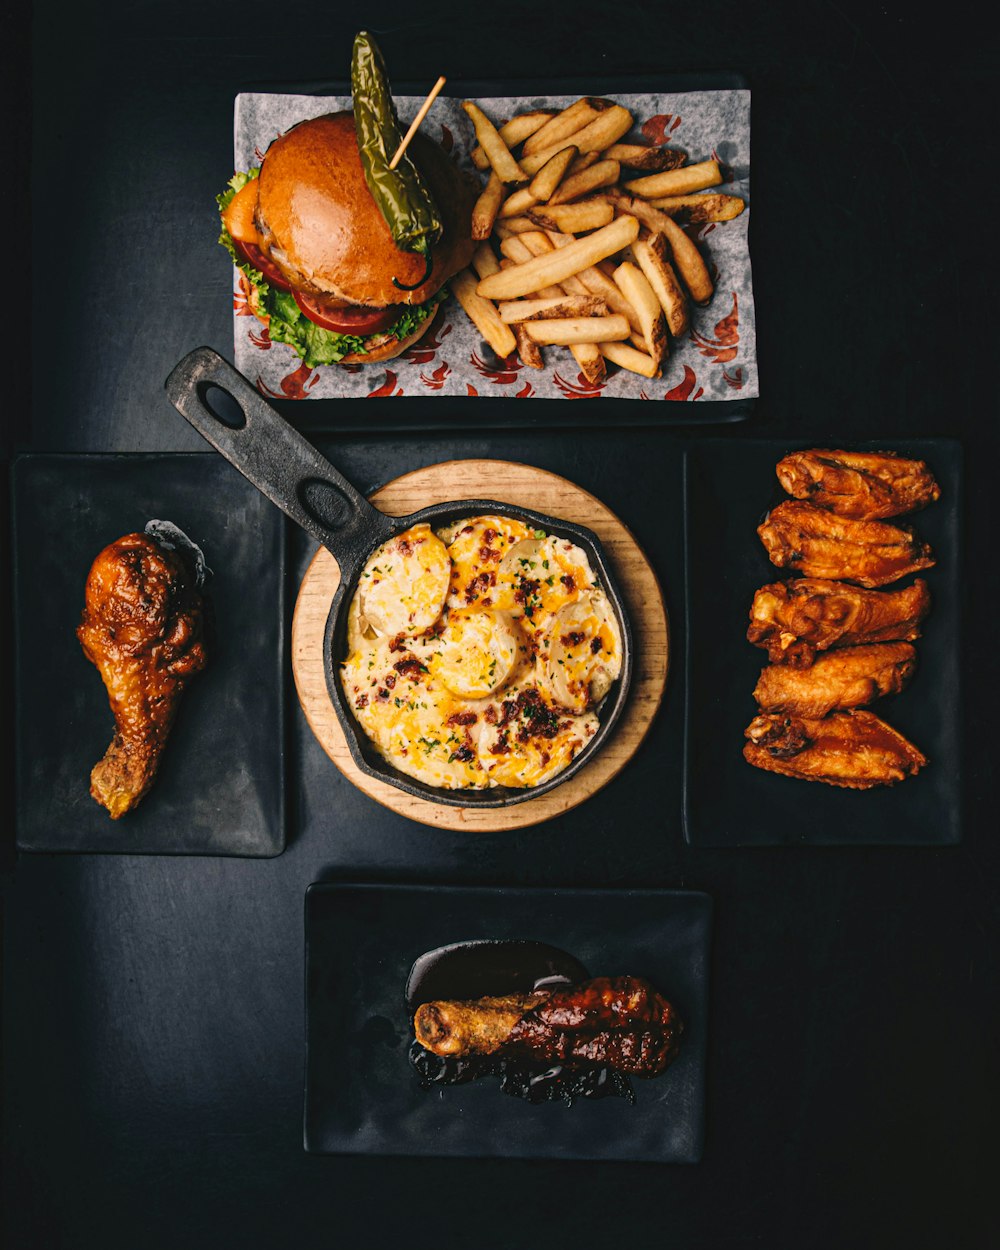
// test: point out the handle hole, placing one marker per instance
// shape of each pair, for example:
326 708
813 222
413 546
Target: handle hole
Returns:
324 503
222 405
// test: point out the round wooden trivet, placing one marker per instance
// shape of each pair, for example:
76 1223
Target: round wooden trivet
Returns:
544 492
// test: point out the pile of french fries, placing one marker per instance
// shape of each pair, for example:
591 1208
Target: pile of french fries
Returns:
589 259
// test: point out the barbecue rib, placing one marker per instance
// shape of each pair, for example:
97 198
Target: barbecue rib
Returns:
795 619
142 628
863 485
820 544
850 677
619 1022
852 750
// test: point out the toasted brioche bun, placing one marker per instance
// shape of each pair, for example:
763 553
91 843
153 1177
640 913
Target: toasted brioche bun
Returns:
321 226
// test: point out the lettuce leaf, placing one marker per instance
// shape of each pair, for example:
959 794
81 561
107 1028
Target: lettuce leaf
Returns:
288 324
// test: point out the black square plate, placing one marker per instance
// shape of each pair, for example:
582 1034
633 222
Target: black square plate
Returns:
362 1097
729 486
220 790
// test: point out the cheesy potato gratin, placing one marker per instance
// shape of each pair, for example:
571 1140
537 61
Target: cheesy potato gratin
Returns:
478 654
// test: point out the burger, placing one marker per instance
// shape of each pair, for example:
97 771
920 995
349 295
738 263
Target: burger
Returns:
316 256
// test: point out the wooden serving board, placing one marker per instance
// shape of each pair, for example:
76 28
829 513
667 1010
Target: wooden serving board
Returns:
518 484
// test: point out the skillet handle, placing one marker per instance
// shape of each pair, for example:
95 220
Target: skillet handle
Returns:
275 457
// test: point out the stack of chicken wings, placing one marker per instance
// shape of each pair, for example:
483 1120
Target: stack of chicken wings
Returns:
835 639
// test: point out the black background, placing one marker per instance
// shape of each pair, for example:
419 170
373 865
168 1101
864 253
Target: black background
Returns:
153 1007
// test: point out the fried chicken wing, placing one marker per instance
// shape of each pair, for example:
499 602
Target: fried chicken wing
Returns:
820 544
621 1022
852 750
850 677
863 485
142 629
795 619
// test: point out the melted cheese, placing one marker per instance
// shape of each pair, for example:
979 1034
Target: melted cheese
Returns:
481 668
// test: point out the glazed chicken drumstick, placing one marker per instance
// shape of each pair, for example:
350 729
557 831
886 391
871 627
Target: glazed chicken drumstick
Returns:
820 544
142 629
618 1021
863 485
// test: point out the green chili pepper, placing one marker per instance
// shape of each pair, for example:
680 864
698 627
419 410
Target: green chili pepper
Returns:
401 194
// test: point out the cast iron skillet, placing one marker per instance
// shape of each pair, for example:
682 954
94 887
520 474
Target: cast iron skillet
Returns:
291 473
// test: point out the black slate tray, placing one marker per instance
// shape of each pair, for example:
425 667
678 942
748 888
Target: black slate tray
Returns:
361 1095
220 790
729 485
456 412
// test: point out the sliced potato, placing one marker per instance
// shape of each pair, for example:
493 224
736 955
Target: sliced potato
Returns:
588 357
528 349
606 129
403 587
584 161
597 282
477 652
584 655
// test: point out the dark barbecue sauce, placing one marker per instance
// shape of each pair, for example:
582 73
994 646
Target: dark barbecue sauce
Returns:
480 969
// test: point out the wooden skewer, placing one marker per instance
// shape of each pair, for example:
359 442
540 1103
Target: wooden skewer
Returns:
415 124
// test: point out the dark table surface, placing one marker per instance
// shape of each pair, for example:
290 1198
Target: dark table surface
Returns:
153 1007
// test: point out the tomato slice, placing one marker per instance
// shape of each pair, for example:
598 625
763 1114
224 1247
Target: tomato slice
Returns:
252 254
355 319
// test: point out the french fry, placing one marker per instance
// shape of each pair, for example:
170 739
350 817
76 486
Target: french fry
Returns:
638 156
515 250
651 256
484 261
676 181
688 262
505 227
497 152
544 183
573 218
583 161
608 128
517 203
713 206
578 330
513 133
482 314
640 294
485 210
515 310
588 357
603 174
578 255
628 358
564 124
598 283
528 349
